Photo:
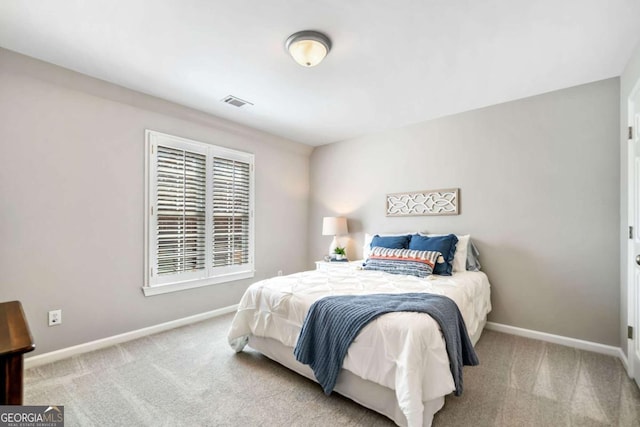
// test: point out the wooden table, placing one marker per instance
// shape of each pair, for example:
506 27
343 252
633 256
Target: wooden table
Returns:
15 340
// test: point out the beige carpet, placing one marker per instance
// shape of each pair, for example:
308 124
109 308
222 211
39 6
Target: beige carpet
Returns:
190 377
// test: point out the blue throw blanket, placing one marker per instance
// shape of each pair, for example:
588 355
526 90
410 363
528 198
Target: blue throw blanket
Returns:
332 324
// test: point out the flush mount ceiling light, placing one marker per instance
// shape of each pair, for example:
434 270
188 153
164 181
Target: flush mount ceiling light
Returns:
308 48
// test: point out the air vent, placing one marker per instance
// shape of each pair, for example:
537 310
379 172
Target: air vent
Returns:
236 102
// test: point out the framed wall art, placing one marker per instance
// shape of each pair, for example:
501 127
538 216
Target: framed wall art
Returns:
429 202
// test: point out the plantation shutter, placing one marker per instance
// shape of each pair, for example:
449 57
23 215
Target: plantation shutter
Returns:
181 211
231 212
199 224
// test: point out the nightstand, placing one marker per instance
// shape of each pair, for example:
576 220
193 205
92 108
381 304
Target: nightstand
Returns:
338 265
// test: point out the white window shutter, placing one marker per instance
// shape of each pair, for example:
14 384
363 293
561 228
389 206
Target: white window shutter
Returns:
231 212
200 222
180 210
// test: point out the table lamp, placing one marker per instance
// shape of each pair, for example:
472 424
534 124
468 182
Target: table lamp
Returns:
334 226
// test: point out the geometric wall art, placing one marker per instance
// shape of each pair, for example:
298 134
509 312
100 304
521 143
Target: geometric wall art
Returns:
429 202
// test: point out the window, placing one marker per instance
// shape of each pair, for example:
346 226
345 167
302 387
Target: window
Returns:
199 220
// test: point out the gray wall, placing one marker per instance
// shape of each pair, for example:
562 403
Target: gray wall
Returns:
628 79
539 180
540 193
71 202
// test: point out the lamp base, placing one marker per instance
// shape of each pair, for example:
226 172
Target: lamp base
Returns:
333 246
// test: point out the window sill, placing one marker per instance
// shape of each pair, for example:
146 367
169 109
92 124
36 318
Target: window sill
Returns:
182 286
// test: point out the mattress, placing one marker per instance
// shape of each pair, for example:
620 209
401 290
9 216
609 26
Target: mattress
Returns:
402 352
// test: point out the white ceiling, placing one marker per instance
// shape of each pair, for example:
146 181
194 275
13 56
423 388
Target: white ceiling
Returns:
392 62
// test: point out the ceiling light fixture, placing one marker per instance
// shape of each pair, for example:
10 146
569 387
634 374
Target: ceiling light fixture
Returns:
308 48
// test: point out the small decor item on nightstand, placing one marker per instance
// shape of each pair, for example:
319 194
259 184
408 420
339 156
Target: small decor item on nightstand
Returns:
340 254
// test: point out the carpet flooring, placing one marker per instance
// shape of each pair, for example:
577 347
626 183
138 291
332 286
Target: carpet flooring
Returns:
190 377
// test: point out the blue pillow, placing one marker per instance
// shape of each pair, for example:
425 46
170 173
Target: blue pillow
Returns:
391 242
446 245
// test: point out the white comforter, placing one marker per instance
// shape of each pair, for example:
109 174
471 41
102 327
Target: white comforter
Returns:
402 351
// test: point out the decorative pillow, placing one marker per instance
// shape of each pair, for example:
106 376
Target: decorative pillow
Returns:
471 262
446 245
462 248
402 261
366 247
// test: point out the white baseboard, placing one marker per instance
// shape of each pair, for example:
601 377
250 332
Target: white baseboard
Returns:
42 359
625 362
559 339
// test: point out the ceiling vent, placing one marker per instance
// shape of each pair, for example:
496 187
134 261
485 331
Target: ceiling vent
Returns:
236 102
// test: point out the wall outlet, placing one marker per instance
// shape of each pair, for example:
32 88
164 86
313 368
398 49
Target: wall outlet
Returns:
55 317
279 272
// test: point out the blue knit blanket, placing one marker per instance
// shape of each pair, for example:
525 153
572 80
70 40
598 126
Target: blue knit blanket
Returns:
332 324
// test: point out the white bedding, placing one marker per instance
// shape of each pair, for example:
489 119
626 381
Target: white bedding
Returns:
401 351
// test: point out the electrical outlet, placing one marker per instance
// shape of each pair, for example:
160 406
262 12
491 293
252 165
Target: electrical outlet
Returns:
55 317
279 272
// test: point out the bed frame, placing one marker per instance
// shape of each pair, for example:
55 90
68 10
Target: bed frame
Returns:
368 394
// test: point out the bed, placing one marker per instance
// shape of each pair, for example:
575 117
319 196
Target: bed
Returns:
397 365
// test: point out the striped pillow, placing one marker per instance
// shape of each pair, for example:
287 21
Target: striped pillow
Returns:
402 261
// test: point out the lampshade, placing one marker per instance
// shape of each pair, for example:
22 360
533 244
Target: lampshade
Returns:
334 226
308 48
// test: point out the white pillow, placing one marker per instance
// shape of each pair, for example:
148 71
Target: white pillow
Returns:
460 256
